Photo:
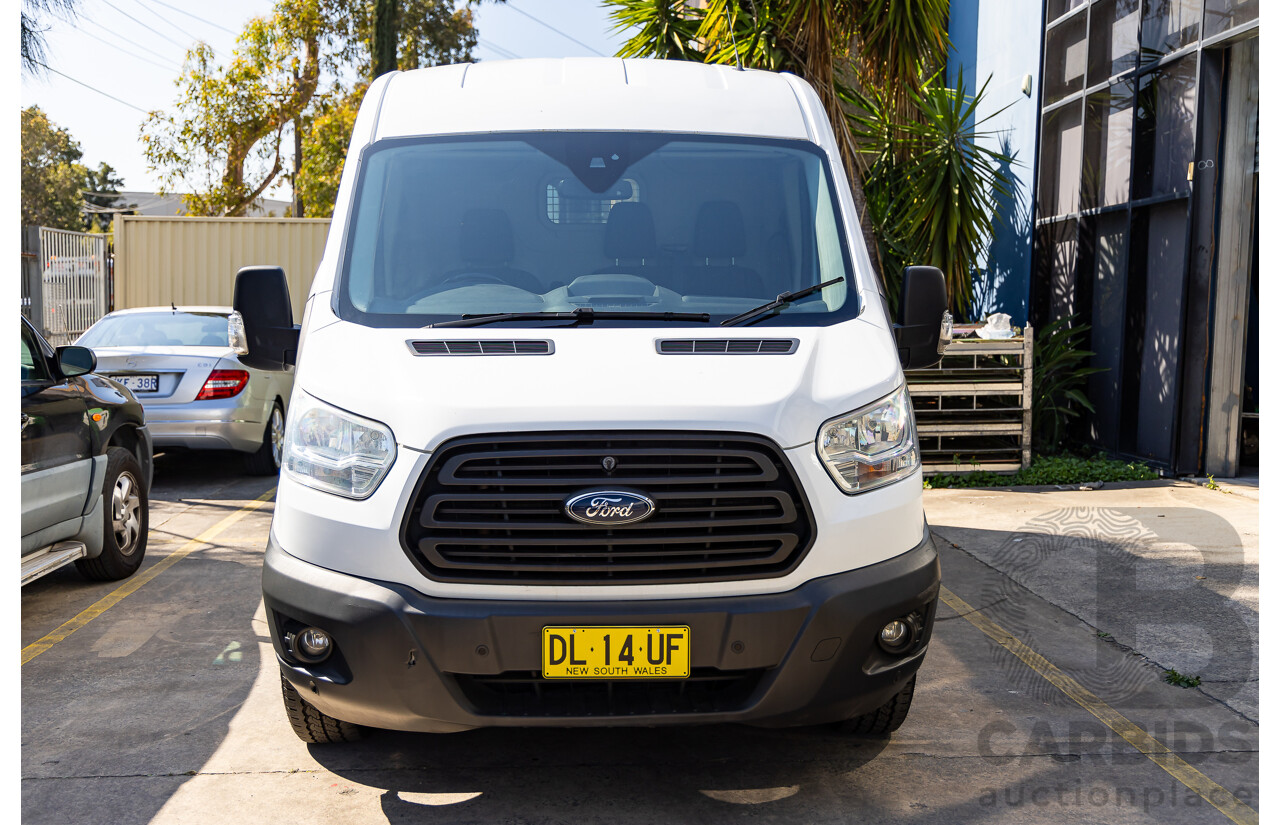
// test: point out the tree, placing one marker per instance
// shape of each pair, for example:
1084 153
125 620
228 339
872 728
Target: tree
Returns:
324 151
101 197
223 139
52 174
33 45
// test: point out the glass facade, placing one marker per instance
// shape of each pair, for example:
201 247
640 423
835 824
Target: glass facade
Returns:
1125 201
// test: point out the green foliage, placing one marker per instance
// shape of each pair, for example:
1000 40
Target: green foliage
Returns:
1058 381
224 139
931 183
51 173
1058 469
1213 485
324 152
1173 677
666 30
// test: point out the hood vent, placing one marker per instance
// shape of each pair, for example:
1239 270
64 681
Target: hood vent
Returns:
483 347
727 346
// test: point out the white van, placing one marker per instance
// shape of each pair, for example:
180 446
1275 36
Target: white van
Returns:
598 416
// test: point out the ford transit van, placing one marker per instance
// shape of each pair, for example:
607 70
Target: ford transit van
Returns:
599 416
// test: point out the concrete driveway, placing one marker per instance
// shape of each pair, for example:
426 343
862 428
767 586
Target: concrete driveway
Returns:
163 705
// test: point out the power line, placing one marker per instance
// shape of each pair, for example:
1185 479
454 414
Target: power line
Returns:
546 25
171 66
507 53
193 17
166 20
117 35
90 88
144 25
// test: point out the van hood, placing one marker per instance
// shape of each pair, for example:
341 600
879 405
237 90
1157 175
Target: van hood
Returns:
598 378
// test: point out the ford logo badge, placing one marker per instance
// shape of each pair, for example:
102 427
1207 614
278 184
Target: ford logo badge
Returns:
608 508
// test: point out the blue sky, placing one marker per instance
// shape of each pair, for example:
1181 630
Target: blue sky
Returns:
132 50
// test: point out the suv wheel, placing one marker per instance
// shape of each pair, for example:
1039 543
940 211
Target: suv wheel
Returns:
312 726
124 529
266 461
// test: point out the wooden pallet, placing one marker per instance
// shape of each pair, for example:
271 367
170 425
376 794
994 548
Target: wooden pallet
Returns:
973 410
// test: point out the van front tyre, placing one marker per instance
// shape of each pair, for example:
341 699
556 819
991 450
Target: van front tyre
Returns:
312 726
124 527
885 719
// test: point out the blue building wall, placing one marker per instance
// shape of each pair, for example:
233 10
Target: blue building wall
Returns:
1000 40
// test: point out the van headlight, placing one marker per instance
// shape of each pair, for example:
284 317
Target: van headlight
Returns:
335 451
872 446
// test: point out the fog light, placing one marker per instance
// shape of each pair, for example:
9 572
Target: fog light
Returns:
899 635
311 645
894 633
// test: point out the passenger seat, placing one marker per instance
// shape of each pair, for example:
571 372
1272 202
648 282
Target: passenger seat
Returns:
719 239
631 242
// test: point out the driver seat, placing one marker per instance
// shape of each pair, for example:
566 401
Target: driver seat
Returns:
486 247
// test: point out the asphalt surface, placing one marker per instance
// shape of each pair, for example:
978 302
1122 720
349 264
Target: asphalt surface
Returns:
165 706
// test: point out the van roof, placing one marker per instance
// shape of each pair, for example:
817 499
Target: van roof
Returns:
593 94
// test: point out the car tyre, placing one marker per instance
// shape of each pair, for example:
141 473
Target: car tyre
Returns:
311 725
124 529
266 461
885 719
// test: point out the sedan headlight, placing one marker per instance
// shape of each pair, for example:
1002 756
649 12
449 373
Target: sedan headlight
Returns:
872 446
335 451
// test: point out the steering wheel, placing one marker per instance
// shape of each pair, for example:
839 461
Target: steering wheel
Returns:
458 279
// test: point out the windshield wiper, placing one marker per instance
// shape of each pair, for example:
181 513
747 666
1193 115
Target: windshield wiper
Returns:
778 303
581 315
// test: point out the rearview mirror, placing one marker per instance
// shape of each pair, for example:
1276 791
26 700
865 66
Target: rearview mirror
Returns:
270 338
73 361
923 306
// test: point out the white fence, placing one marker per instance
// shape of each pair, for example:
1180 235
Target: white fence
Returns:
72 273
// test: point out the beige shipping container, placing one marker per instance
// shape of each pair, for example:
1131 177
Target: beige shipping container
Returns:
193 261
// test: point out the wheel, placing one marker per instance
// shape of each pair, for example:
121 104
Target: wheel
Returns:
885 719
311 725
124 529
266 461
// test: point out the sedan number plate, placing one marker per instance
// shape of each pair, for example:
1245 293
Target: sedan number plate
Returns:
615 652
140 383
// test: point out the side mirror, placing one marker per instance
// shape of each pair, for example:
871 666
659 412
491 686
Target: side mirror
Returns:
923 307
73 361
261 299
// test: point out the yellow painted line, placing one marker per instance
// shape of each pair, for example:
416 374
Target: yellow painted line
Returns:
1155 750
138 580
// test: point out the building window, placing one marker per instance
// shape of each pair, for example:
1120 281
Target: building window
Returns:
1060 162
1168 25
1164 132
1113 39
1057 8
1065 57
1108 136
1220 15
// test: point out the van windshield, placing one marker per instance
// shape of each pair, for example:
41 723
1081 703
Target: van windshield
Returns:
559 221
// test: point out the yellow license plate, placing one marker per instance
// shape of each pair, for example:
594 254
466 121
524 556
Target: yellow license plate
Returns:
615 652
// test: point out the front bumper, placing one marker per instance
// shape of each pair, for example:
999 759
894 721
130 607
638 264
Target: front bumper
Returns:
406 661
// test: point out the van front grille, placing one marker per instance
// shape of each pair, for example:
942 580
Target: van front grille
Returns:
491 509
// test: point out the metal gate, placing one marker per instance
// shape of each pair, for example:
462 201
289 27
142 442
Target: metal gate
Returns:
73 283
